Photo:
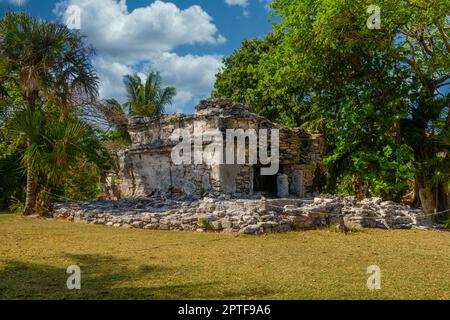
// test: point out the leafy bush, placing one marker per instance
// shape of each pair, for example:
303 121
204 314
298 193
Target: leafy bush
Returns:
203 223
16 205
447 223
82 183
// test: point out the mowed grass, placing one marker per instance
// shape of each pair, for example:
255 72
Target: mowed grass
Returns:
121 263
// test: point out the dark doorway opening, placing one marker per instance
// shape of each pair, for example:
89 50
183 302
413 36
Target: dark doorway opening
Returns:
264 184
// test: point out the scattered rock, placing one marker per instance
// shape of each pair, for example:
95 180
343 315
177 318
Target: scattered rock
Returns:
246 216
252 229
216 225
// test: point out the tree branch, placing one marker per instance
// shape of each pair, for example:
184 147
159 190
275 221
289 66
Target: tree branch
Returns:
444 36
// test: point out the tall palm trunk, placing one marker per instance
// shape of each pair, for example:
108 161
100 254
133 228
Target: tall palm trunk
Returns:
32 183
31 189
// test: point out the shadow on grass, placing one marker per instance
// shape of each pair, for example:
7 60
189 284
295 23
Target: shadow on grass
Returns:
102 277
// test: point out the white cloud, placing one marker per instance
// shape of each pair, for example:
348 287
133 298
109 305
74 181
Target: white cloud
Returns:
241 3
111 74
244 4
131 36
192 75
125 41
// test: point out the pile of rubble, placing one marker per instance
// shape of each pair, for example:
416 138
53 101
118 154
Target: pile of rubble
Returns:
247 216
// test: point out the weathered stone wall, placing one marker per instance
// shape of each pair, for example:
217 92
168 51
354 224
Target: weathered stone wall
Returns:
148 169
247 216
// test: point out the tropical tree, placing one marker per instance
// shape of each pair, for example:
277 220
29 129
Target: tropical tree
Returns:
50 66
379 96
116 137
56 152
147 98
115 116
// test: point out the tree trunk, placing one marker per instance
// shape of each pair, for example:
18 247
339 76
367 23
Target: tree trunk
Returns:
427 199
415 199
31 188
31 192
412 198
444 201
434 199
43 205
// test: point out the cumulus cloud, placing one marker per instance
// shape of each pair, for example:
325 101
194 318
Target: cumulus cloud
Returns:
192 75
111 74
127 42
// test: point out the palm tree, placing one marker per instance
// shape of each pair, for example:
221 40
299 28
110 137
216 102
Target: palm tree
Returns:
147 98
55 151
115 116
51 66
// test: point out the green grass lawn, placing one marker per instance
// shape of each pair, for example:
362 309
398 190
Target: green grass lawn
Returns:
121 263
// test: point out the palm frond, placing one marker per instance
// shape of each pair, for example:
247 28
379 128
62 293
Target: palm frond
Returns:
147 98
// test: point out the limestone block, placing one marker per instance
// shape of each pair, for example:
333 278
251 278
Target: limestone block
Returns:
282 185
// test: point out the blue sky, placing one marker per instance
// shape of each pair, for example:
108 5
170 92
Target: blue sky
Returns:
183 39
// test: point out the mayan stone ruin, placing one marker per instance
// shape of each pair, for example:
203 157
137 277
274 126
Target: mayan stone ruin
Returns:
148 169
155 193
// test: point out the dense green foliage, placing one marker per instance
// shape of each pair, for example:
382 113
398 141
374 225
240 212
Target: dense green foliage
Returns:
61 153
379 96
46 78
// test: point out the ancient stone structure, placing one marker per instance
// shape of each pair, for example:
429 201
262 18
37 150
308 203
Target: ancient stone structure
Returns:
149 170
249 215
159 194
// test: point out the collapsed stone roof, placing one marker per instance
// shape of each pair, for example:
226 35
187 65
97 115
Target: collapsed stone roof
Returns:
221 108
222 113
